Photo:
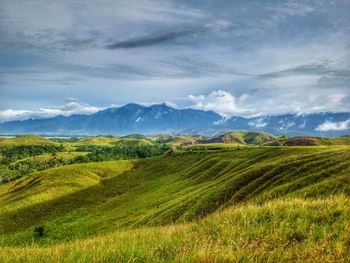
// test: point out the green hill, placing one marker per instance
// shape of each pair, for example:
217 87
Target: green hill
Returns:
317 141
25 140
109 141
278 231
96 141
242 137
48 156
252 202
136 136
134 142
177 140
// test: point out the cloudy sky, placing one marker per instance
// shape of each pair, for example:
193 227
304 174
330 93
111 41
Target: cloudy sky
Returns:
234 57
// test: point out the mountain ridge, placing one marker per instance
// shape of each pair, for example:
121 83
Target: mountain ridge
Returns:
161 118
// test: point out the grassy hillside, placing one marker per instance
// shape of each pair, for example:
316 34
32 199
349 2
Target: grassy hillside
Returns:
109 141
242 137
131 141
276 196
48 156
25 140
100 140
136 136
214 146
176 140
285 230
317 141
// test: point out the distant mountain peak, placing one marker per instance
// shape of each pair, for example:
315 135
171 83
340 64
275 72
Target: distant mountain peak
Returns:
162 118
132 105
161 106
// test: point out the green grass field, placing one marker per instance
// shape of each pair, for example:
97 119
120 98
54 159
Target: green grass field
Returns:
319 141
25 140
107 141
242 137
247 204
214 146
176 140
285 230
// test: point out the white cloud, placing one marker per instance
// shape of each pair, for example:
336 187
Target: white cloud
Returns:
336 98
334 126
286 125
303 125
171 104
72 106
258 123
221 102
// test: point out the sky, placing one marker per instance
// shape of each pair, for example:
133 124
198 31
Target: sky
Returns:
235 57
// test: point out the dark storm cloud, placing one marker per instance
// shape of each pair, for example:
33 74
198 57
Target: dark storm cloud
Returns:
155 39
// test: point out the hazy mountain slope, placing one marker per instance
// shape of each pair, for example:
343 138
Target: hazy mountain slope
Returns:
155 119
293 125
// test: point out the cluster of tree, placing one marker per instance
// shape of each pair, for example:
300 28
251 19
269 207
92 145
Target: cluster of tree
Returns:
123 152
11 169
20 168
7 174
90 148
12 154
282 139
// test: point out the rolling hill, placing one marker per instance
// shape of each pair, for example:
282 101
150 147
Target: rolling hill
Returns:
317 141
110 141
246 203
176 140
25 140
236 137
242 137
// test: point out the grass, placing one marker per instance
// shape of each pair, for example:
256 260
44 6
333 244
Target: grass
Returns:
214 146
242 137
134 142
245 205
107 141
221 141
176 140
319 141
100 141
26 140
334 141
277 231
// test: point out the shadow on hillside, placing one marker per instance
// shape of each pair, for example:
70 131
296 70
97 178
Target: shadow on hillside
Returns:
206 185
48 210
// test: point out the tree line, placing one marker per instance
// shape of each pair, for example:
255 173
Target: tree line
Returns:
14 162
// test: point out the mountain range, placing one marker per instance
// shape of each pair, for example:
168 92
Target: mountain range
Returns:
160 118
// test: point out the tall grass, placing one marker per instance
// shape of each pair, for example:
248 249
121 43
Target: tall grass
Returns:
285 230
247 204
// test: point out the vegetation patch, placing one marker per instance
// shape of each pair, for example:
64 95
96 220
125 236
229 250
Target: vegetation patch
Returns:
160 203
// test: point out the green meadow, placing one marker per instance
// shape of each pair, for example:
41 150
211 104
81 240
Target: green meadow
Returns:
225 204
26 140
